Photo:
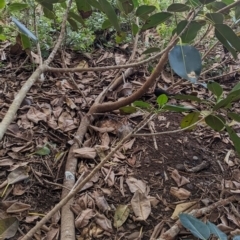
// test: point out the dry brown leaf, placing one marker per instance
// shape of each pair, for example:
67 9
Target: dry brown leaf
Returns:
35 115
102 129
141 205
180 193
85 152
109 176
135 185
180 180
18 207
83 219
53 233
103 222
66 122
184 208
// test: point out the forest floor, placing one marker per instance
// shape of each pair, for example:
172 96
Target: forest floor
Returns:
197 167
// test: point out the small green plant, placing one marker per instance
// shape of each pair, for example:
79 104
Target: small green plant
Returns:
202 230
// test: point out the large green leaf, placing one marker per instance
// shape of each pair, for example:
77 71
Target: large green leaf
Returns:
156 19
144 10
215 18
186 62
73 24
187 97
162 100
151 50
17 7
216 6
76 17
109 11
234 116
48 13
206 1
141 104
95 4
198 228
235 138
191 31
127 110
189 120
215 122
237 12
178 7
83 5
215 88
26 43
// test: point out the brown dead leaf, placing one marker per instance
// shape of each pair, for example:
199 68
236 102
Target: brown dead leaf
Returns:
137 185
35 115
180 193
101 202
83 219
184 208
85 152
102 129
141 205
18 207
103 222
180 180
53 233
109 176
66 122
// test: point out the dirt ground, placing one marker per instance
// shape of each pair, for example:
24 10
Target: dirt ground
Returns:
49 117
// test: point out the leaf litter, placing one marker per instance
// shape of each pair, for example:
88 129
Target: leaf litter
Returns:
134 191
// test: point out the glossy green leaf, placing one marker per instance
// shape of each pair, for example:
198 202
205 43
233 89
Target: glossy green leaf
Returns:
141 104
2 4
214 230
206 1
178 7
215 122
189 120
187 97
156 19
235 138
43 151
76 17
151 50
186 62
127 110
109 11
144 10
125 6
95 4
23 29
215 88
198 228
234 116
17 7
73 24
215 18
191 31
26 43
228 1
175 108
134 28
162 100
8 227
235 88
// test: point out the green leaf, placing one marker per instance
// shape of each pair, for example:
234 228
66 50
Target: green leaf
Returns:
206 1
141 104
178 7
187 97
232 97
43 151
189 120
193 3
228 34
156 19
127 110
48 13
216 6
144 10
235 138
135 3
83 5
109 11
106 24
215 18
228 1
120 37
215 88
215 122
186 62
95 4
162 100
76 17
26 43
17 7
191 32
120 216
2 4
134 28
195 226
125 6
73 24
3 37
214 230
175 108
237 12
234 116
236 87
151 50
